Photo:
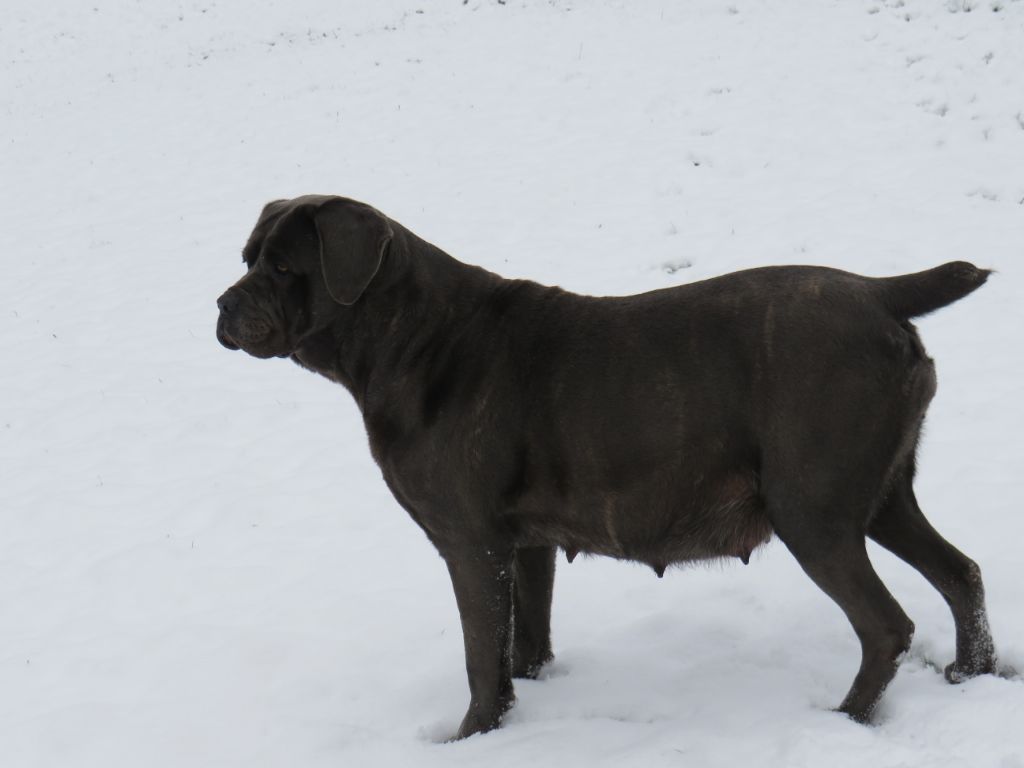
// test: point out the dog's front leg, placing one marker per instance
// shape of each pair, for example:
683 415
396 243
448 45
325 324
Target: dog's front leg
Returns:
531 641
483 578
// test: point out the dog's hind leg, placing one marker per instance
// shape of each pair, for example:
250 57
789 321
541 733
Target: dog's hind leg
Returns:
832 552
902 528
531 610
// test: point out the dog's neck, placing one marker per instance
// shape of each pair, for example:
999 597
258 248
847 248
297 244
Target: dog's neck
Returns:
420 293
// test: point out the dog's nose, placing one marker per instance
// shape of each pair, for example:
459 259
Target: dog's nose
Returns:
228 302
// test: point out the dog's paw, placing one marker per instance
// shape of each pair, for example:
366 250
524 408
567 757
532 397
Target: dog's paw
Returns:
956 673
531 670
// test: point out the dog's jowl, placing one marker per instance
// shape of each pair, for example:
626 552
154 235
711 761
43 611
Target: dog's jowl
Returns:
511 419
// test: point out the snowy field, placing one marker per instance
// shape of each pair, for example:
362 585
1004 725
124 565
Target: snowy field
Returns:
199 562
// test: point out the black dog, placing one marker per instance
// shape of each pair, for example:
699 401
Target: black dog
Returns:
510 419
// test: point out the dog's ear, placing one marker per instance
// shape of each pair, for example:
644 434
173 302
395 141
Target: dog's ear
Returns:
270 212
273 209
353 240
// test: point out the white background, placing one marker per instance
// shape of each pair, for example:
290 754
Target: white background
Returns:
199 562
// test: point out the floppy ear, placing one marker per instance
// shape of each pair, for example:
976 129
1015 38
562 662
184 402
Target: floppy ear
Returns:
353 239
271 210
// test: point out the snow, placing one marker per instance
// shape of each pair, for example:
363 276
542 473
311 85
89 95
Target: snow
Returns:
199 562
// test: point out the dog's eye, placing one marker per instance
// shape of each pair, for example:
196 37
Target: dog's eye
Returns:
282 268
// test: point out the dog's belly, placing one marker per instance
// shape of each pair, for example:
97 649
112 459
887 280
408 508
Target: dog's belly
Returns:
660 520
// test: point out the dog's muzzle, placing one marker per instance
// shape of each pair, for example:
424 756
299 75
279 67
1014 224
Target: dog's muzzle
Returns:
238 326
228 306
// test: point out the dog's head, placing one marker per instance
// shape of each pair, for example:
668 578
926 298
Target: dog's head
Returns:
308 259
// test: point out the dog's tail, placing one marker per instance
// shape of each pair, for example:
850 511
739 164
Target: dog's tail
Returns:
917 294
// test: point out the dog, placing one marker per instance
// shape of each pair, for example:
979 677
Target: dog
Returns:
511 419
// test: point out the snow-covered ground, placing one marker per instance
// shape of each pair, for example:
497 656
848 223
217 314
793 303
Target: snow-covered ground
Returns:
199 563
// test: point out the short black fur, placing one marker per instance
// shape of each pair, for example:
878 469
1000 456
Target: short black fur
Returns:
510 419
